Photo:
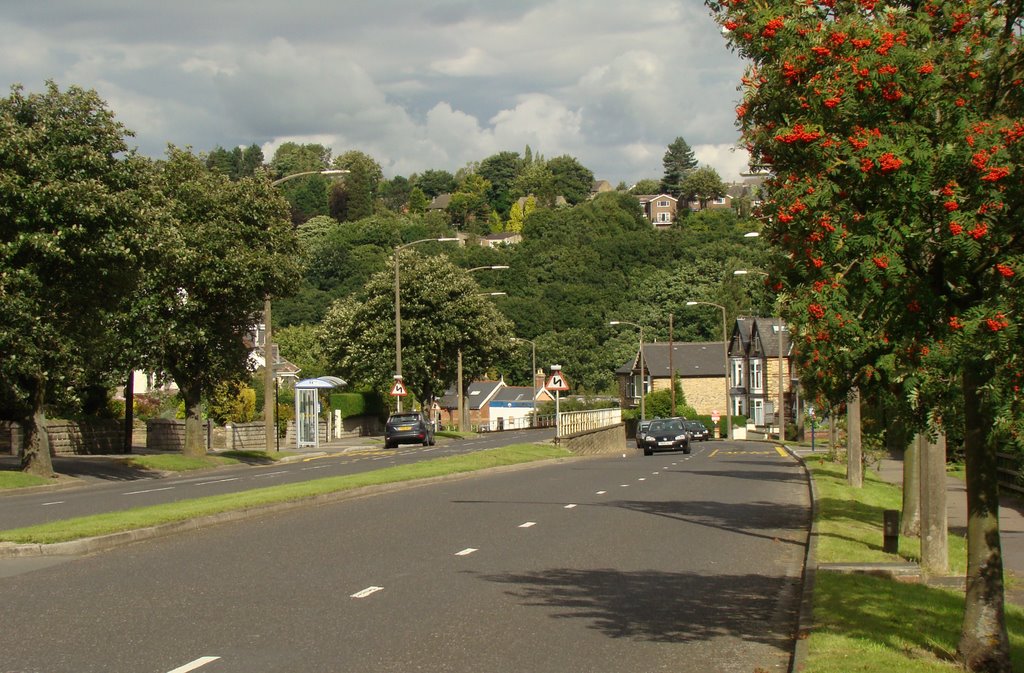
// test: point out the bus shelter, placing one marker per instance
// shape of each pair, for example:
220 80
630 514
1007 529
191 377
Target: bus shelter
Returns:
307 408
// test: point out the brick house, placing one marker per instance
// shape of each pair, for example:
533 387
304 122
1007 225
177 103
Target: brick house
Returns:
495 405
700 370
754 370
660 209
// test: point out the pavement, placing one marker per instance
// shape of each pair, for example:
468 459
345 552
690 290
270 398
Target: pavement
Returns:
1011 520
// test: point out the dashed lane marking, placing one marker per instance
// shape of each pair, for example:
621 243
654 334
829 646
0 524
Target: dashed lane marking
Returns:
569 506
215 481
55 502
466 552
149 490
601 492
270 474
368 591
528 524
193 665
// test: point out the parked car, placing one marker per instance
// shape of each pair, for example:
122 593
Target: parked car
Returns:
666 434
641 428
408 427
698 431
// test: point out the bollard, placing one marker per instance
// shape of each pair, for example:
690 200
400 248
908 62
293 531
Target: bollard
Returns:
891 531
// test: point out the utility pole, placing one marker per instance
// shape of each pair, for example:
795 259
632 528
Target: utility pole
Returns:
671 367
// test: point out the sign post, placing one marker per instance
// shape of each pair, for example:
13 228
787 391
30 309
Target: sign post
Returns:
714 419
398 390
810 412
557 383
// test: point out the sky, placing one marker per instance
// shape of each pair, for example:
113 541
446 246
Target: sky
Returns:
415 84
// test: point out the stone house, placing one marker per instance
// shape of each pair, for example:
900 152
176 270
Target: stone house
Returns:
754 349
699 367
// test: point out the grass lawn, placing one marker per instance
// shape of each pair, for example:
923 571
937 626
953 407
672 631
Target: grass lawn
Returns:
866 624
102 524
18 479
175 462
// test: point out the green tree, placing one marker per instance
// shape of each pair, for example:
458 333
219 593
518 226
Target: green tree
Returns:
647 186
536 180
73 230
300 345
435 182
571 179
469 205
500 171
701 184
517 214
418 201
442 313
309 196
229 246
894 134
677 162
252 160
396 193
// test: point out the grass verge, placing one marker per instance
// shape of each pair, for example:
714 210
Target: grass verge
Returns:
175 462
866 624
16 479
114 522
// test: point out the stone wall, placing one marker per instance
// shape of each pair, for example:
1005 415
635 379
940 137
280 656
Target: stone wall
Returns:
69 437
602 441
167 434
705 394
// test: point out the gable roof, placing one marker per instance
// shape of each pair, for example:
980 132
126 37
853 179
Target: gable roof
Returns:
690 359
478 395
766 332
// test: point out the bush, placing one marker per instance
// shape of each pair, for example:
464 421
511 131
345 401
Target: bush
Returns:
356 404
232 403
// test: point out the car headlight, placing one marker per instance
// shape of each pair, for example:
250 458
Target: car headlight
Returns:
680 437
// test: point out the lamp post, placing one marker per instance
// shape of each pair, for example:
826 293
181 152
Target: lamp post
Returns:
725 355
461 396
533 376
269 415
643 375
398 308
782 385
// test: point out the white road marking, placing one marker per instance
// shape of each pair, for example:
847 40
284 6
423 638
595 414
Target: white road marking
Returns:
466 552
573 506
193 665
216 481
645 478
528 524
624 485
601 492
150 490
315 467
660 472
55 502
366 592
271 474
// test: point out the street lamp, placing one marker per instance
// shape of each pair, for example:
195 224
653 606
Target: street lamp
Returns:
398 307
782 385
533 376
643 375
725 355
269 414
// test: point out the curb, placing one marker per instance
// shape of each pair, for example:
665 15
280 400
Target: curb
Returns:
805 618
89 545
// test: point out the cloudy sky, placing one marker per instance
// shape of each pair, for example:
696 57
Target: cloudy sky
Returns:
416 84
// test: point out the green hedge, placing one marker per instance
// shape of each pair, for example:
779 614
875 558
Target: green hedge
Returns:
356 404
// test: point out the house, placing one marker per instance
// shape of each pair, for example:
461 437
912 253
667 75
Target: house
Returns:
504 238
495 405
660 209
699 367
600 186
754 357
440 202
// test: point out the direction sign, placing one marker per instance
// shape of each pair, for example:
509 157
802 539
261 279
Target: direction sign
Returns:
557 381
398 390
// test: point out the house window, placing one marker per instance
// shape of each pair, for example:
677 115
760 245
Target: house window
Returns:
719 201
737 406
664 217
633 387
756 382
758 406
663 204
737 374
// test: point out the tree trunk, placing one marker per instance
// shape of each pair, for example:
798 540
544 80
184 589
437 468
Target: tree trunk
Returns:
910 519
934 530
984 644
195 445
129 411
36 457
854 461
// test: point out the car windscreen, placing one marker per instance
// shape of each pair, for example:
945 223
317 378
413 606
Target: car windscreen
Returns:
665 426
407 419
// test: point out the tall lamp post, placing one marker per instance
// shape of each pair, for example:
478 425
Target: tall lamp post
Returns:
398 308
460 396
533 376
270 414
725 356
643 375
782 380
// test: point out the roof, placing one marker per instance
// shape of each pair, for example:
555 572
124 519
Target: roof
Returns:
478 395
520 394
645 198
700 359
767 333
440 202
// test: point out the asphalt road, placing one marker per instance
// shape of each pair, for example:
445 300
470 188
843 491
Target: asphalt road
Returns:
664 563
106 488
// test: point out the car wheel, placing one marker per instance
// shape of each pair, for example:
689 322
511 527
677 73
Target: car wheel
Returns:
686 449
432 440
388 445
648 452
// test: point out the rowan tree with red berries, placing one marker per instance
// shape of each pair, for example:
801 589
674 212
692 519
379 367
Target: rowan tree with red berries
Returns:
893 132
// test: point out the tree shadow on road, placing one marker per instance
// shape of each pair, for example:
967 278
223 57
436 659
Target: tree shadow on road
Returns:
663 606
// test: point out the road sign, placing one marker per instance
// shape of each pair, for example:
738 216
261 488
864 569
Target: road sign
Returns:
398 390
557 381
714 416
